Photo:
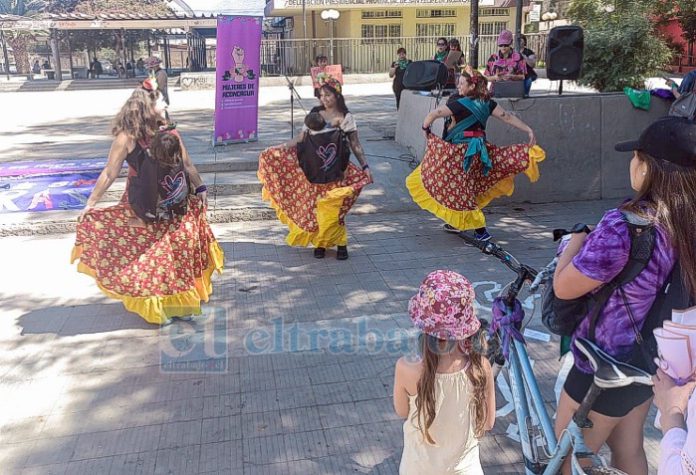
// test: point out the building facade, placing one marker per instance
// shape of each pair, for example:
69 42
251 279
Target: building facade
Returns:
390 19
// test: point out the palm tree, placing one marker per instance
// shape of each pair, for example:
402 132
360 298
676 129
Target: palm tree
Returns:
19 39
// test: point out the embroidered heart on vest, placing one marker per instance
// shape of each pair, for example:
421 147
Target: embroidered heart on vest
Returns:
174 185
328 154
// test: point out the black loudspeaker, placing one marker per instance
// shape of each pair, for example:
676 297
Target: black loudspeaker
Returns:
564 52
425 75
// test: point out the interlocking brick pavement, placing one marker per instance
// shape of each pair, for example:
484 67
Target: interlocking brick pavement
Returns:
83 391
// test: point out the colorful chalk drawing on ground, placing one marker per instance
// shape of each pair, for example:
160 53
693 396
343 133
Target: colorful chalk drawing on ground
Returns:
49 185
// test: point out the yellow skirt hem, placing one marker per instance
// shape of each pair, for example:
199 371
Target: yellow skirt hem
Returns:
157 309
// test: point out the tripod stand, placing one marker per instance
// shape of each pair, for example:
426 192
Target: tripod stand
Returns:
293 94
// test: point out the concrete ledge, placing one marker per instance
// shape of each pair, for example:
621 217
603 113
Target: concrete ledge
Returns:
206 80
578 133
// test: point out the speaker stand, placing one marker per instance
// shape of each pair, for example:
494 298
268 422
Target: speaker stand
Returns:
560 87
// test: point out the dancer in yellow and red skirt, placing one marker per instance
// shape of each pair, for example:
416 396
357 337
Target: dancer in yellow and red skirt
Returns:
154 251
461 174
310 182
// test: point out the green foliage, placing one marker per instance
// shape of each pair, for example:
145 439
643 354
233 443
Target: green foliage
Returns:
622 47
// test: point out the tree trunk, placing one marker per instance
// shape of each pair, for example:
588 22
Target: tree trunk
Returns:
19 45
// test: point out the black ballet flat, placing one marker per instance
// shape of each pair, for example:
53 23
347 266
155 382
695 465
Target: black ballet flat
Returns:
319 252
342 253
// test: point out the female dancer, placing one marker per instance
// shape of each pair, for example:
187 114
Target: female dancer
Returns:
158 264
315 211
462 173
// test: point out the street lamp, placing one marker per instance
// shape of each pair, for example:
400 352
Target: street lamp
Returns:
331 16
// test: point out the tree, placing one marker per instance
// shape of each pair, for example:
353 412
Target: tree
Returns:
622 47
19 39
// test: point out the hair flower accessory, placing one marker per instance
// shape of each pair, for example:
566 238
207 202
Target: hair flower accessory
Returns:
150 84
333 83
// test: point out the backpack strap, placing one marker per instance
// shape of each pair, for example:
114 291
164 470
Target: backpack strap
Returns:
642 235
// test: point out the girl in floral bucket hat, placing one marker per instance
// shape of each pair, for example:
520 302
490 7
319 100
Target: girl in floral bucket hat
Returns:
447 395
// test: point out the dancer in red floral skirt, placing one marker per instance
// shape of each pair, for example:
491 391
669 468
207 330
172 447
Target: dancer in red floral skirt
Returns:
154 251
310 183
461 174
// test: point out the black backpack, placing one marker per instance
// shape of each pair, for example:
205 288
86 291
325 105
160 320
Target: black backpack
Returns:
562 317
672 296
324 157
158 191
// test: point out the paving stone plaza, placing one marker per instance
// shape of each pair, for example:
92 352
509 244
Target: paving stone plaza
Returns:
290 369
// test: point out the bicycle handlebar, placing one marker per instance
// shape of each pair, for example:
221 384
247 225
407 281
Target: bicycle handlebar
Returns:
523 271
493 249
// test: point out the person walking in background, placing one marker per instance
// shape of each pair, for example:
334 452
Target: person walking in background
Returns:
530 59
36 69
447 395
140 66
96 69
397 70
153 63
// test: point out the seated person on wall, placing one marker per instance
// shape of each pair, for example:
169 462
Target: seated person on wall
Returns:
506 64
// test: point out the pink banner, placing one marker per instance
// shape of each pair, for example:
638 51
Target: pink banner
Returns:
237 83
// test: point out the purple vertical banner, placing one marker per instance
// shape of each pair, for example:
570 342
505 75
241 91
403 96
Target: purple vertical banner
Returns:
237 79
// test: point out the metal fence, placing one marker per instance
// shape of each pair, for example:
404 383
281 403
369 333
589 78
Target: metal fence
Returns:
365 56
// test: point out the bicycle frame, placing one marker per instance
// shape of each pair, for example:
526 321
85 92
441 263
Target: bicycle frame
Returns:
524 383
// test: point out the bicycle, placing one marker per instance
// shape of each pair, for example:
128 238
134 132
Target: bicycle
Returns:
508 349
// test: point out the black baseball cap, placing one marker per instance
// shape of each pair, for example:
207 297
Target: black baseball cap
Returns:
672 139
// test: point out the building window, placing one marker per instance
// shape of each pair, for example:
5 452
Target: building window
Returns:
378 33
424 30
494 12
436 13
377 14
492 28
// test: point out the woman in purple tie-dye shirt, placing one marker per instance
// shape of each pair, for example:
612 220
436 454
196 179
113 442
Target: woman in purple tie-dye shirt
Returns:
663 173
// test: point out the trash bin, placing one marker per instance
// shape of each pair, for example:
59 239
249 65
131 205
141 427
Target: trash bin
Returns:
50 74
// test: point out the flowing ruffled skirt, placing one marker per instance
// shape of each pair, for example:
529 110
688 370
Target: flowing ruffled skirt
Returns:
159 271
314 213
440 184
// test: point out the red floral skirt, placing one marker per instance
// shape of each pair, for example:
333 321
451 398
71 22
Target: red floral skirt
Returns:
440 184
158 271
314 213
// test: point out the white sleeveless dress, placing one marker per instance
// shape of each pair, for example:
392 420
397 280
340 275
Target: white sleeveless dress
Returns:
456 449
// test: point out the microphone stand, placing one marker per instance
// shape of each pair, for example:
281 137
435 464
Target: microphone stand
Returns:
293 94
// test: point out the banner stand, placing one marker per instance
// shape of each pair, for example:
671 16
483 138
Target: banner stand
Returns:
238 65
